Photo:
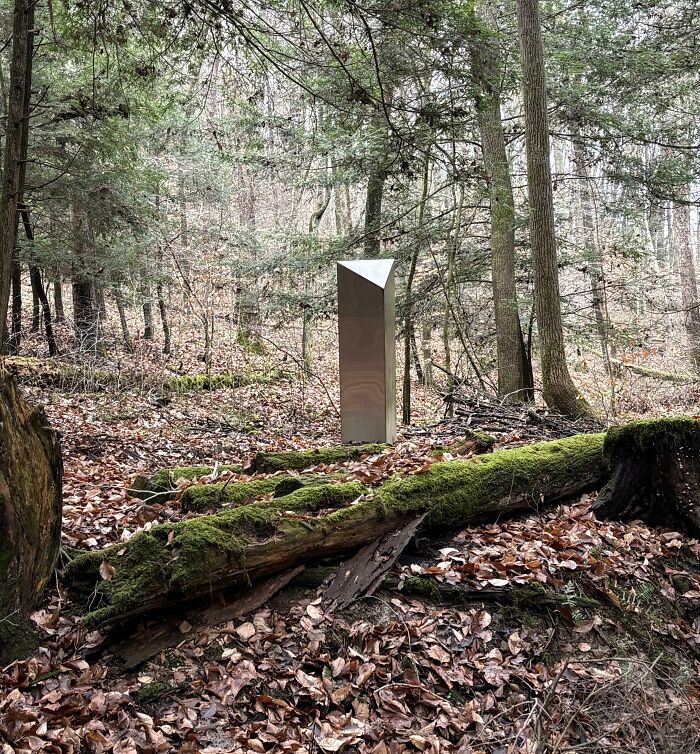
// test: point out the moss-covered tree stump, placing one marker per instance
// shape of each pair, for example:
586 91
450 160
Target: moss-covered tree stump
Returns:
171 563
654 473
30 514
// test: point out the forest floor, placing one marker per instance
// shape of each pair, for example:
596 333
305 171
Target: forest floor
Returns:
548 633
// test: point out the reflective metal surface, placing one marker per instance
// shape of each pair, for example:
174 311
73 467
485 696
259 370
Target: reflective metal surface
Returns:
366 327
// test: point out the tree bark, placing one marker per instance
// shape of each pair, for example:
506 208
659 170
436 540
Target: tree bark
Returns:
558 389
513 383
14 342
58 299
683 253
30 515
121 311
85 314
594 255
15 138
176 562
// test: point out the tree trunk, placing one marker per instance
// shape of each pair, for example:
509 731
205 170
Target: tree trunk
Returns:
373 213
487 72
163 309
30 515
121 311
36 308
162 306
655 474
558 389
593 255
15 340
16 135
58 299
44 308
85 318
251 541
683 253
38 287
409 336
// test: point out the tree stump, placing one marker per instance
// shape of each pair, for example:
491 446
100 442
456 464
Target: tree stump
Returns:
30 514
654 473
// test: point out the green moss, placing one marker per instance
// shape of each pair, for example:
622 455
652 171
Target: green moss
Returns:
174 556
303 459
188 383
151 693
480 488
161 486
203 497
647 435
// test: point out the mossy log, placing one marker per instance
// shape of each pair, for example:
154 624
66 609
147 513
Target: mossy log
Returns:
30 514
162 486
171 563
187 383
63 375
210 497
654 473
660 374
297 460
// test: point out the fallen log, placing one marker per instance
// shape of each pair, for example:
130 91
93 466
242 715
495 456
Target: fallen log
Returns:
30 515
654 473
173 563
162 486
659 374
297 460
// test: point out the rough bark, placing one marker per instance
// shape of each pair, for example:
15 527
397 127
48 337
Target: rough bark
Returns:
15 138
654 473
513 383
173 563
558 388
85 309
30 514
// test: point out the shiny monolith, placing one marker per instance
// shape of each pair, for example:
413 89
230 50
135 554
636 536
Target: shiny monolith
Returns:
366 324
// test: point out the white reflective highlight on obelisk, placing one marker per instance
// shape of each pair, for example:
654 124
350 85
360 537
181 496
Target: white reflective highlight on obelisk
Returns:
366 325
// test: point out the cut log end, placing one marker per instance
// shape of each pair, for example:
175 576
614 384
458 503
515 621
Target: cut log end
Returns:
654 470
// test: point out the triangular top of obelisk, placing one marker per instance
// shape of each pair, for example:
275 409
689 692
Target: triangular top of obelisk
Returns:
377 271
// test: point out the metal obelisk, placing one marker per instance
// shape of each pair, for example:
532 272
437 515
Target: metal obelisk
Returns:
366 325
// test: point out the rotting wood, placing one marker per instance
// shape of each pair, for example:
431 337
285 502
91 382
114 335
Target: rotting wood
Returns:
30 515
179 562
137 649
363 573
654 473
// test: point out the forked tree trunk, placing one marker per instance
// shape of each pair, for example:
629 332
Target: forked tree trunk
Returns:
30 515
